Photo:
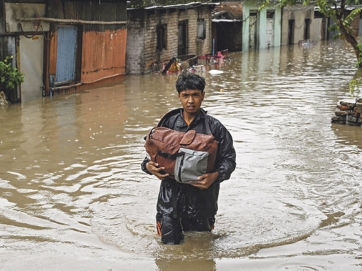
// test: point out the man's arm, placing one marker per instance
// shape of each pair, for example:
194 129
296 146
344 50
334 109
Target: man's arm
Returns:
153 168
205 180
225 161
226 157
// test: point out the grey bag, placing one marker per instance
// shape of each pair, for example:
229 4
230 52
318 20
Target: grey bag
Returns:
190 164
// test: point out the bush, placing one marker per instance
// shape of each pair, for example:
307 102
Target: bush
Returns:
9 75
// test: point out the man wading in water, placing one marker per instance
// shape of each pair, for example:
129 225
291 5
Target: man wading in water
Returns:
191 207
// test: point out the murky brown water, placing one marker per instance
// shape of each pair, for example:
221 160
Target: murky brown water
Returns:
73 197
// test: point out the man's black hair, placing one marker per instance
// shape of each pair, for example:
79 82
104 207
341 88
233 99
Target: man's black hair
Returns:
189 80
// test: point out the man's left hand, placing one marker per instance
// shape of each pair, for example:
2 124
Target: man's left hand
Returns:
204 181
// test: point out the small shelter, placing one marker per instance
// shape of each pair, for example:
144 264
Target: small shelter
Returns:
63 44
157 34
227 26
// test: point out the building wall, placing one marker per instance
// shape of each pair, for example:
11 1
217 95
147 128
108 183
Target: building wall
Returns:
142 36
261 23
90 11
316 30
28 47
134 55
277 26
101 47
31 64
298 13
103 54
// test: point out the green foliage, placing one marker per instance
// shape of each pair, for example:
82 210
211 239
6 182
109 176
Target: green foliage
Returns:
355 87
359 59
9 75
350 17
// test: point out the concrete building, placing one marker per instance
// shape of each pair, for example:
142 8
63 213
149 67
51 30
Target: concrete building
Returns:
261 28
299 24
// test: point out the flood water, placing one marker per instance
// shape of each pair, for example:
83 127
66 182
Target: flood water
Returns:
73 196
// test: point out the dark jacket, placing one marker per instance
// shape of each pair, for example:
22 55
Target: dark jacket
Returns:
184 200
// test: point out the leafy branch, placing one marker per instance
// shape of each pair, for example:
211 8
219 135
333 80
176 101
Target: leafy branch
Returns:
9 75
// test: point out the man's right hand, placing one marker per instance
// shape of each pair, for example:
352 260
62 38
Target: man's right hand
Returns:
156 170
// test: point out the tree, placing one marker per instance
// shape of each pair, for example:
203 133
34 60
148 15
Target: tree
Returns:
336 10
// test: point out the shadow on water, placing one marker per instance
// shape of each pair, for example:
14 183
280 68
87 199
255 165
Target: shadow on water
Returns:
71 182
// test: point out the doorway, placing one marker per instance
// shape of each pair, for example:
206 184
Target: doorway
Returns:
66 54
291 25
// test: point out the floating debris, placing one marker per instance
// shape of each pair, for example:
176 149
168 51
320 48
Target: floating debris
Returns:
3 99
215 71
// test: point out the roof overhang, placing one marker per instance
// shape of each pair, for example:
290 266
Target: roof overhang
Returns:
225 20
178 6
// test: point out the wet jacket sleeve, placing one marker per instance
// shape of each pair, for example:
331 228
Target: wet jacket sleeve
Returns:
143 165
226 156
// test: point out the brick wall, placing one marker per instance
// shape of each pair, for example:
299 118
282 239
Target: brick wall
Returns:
142 36
298 13
135 47
348 112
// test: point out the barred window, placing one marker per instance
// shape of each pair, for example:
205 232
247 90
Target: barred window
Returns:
161 36
201 29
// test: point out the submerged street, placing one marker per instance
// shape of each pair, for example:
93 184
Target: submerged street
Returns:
73 196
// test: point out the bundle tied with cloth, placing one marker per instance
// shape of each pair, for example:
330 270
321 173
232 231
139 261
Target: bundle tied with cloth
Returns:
184 155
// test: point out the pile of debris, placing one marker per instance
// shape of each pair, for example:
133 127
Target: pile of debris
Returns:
348 112
3 99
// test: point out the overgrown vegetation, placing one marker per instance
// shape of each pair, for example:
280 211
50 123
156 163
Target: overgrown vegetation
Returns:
9 75
355 88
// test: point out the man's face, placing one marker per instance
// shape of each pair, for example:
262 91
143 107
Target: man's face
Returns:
191 100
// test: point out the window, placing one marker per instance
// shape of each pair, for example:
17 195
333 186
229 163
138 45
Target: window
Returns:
270 14
182 38
161 37
201 29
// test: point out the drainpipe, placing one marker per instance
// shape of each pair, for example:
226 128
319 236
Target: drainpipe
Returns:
281 26
213 47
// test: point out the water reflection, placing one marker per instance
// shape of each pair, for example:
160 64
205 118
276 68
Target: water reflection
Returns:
202 265
70 180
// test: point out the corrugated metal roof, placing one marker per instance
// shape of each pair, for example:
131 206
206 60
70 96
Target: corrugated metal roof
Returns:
178 6
316 8
225 20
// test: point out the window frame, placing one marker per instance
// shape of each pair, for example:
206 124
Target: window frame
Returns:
161 31
201 29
